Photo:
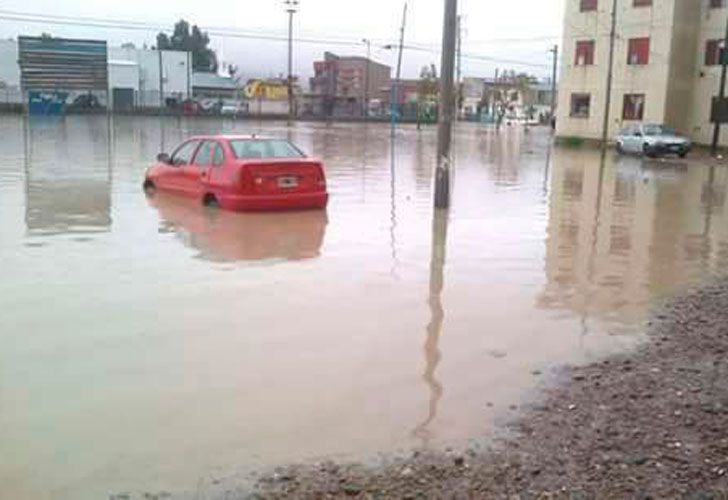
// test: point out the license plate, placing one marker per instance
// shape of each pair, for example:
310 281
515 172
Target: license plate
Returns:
287 182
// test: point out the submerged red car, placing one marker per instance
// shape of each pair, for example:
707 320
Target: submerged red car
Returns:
242 173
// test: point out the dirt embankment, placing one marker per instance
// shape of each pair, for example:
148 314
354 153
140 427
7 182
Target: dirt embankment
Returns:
650 424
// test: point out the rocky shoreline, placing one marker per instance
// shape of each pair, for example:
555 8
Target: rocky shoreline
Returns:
649 424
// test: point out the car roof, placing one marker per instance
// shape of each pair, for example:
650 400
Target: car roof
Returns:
233 137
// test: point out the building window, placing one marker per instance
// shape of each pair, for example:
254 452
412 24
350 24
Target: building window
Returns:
638 51
717 4
642 3
713 51
634 107
584 53
587 5
580 105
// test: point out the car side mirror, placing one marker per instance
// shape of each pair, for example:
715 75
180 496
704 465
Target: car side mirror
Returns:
164 158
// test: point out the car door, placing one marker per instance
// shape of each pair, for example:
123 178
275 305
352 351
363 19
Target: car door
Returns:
174 178
637 139
213 178
196 172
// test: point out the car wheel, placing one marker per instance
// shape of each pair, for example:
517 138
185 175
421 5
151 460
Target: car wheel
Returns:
149 188
683 154
210 201
620 148
648 152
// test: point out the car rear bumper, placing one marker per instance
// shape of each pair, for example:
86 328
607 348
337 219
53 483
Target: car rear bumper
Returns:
291 201
676 149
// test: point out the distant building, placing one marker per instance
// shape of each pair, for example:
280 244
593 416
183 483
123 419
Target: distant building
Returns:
269 96
9 73
515 98
212 85
134 77
339 85
666 65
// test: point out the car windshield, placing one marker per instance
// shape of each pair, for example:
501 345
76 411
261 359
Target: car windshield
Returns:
252 148
658 130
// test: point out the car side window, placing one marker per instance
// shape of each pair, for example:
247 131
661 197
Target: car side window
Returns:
183 155
218 156
204 154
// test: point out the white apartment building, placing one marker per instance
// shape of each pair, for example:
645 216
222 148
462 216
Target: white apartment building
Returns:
666 65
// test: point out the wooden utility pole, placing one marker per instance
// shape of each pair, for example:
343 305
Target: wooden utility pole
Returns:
555 52
723 53
610 78
447 101
161 79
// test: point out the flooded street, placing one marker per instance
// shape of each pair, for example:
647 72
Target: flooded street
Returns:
150 345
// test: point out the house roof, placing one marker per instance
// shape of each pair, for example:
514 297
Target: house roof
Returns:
213 81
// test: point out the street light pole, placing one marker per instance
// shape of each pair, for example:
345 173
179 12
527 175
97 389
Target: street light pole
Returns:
555 52
723 53
366 78
291 8
447 104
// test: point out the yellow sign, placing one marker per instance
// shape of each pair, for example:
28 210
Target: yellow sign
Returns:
261 89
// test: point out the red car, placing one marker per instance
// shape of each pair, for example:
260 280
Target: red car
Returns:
242 173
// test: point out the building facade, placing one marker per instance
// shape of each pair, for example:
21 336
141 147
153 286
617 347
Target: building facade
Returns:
341 85
666 65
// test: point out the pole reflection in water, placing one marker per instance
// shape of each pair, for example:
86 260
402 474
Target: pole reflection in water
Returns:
434 327
393 206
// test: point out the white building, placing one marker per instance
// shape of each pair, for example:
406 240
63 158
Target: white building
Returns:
666 65
9 73
138 70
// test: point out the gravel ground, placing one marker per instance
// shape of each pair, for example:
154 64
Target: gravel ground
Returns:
650 424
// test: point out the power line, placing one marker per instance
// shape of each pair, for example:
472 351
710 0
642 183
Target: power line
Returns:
90 22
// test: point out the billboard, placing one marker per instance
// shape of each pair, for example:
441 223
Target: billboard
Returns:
48 63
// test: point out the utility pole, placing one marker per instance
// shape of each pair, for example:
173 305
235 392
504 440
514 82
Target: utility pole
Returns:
189 75
610 78
395 86
723 53
459 63
555 52
366 78
444 131
291 8
161 79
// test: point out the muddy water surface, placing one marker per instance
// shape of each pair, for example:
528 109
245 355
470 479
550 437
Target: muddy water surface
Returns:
150 345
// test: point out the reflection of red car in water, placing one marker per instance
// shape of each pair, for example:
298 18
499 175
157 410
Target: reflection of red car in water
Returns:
241 173
226 236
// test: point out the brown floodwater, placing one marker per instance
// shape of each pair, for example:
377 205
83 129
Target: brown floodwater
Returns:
150 345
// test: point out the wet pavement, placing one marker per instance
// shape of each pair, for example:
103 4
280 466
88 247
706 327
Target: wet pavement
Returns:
153 345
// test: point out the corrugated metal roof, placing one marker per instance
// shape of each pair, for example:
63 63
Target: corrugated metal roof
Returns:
64 64
213 81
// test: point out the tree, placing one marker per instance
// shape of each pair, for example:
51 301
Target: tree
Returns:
427 90
191 40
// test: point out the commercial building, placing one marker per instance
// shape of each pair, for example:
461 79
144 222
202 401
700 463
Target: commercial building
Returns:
341 85
666 65
518 98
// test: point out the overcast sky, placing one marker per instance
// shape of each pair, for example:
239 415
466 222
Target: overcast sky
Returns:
492 29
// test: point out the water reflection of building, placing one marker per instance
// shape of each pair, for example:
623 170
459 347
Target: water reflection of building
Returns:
68 176
631 231
227 236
